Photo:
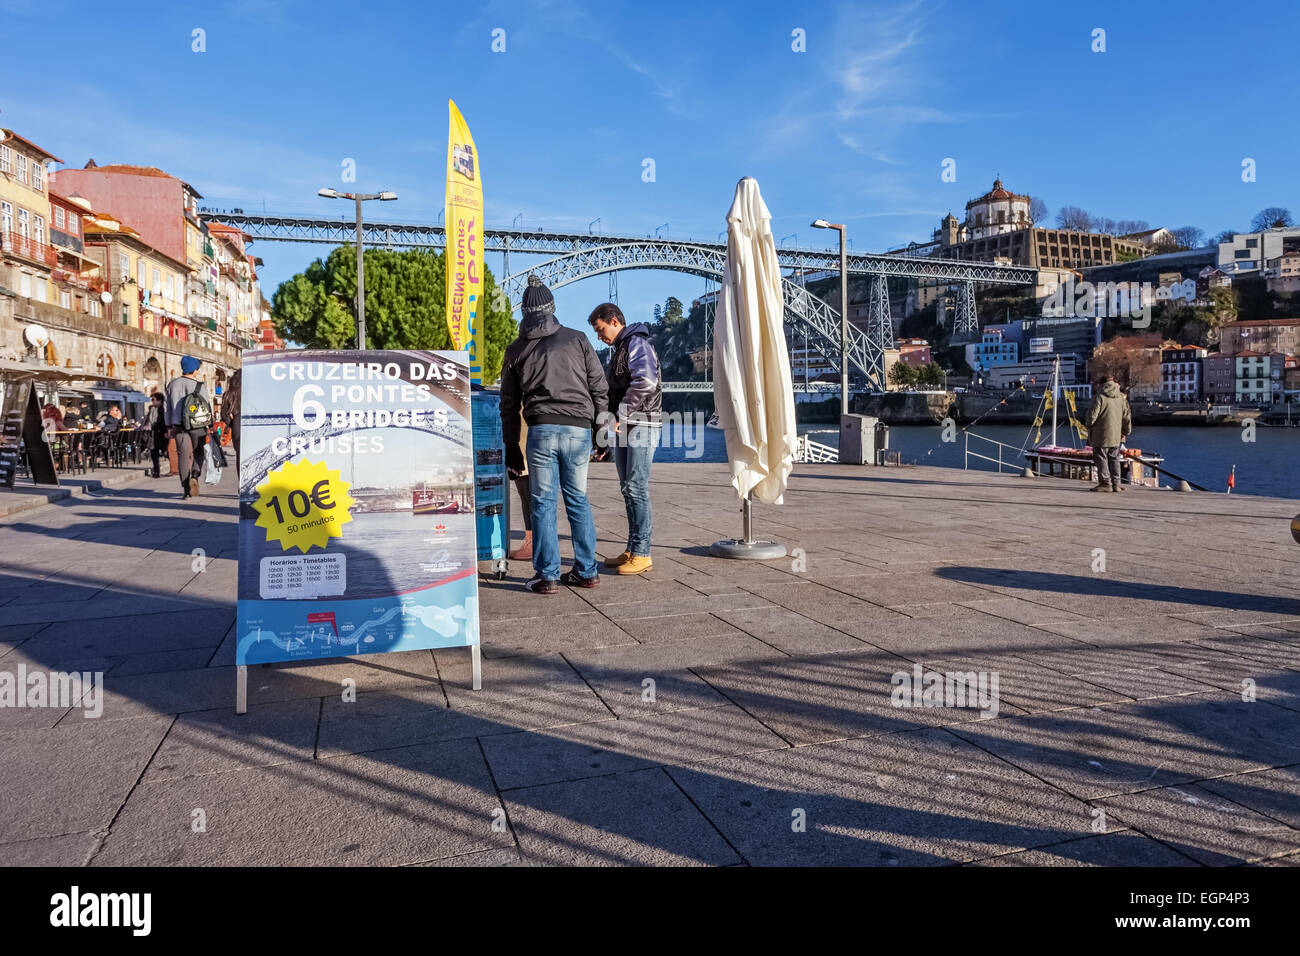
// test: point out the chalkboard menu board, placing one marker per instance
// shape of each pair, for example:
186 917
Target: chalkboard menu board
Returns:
10 440
21 426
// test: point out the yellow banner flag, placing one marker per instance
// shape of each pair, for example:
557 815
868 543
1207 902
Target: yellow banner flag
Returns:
464 218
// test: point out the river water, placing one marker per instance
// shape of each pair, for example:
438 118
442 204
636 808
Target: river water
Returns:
1269 465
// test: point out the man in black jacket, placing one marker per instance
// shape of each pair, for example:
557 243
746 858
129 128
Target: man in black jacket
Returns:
553 375
636 399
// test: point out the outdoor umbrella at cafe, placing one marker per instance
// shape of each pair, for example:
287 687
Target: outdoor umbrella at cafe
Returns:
753 388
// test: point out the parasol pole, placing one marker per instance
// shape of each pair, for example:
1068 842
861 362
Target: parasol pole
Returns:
747 547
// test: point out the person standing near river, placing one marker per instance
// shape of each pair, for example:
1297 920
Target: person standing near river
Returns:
1110 421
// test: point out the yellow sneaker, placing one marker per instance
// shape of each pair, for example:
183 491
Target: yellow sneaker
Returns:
619 561
635 564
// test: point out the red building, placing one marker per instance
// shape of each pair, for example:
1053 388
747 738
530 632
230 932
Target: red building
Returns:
156 204
915 352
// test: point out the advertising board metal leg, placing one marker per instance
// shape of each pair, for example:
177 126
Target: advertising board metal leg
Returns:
476 662
241 690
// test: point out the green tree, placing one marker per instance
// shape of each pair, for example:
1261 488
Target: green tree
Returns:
405 305
902 375
930 374
672 311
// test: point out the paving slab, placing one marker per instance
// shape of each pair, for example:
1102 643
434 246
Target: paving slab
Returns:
1272 793
1032 688
791 632
614 746
535 635
627 819
70 849
219 741
1198 823
831 697
74 778
632 693
397 806
1123 748
908 799
401 718
1121 848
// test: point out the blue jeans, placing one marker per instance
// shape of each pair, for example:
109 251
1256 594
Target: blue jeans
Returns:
632 456
557 465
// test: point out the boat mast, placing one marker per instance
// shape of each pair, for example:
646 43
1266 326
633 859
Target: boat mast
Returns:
1056 377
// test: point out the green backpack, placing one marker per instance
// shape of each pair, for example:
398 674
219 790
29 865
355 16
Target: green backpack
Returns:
197 413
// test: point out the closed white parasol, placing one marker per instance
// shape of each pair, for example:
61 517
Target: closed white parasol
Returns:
753 388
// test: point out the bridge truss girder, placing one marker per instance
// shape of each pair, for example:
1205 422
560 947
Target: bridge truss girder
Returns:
271 227
808 312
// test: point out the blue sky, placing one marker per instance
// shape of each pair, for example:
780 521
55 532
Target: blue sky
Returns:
854 129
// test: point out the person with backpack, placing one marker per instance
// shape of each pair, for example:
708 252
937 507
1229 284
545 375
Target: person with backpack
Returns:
189 415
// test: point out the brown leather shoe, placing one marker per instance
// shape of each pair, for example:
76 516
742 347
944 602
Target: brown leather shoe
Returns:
525 550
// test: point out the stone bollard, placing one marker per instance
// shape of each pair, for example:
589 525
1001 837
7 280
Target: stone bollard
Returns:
1028 472
1183 485
1295 528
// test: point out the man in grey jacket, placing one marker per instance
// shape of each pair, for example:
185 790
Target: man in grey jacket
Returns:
189 442
553 375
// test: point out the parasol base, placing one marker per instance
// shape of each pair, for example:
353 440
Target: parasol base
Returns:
751 550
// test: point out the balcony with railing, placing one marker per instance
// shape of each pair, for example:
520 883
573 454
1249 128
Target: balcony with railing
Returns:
80 280
26 247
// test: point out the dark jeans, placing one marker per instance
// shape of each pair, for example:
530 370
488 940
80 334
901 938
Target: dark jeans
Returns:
189 453
632 457
1107 462
158 448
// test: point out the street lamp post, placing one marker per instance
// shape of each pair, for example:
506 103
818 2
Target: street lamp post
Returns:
359 198
844 312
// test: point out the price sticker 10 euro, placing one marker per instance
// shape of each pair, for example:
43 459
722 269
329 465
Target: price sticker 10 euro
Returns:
303 504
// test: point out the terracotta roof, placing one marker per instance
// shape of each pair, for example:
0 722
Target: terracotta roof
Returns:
11 135
1250 322
1251 354
997 192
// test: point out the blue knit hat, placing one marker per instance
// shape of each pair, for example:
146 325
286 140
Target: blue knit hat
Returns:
189 364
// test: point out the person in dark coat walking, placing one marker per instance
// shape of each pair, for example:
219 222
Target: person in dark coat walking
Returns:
155 421
230 408
553 375
1110 421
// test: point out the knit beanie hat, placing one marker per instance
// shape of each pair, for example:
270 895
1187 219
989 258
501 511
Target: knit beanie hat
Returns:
537 298
189 364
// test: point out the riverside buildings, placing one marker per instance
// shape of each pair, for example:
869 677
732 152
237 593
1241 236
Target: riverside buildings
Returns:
109 274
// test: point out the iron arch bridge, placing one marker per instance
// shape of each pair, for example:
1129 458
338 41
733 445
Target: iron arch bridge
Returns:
809 313
264 461
584 255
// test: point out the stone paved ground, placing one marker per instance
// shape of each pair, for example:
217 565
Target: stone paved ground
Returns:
1122 735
